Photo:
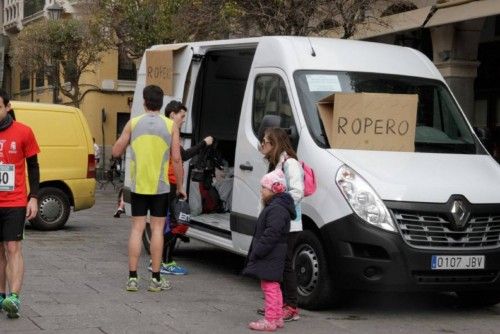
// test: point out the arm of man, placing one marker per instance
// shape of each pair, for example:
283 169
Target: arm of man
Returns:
34 182
194 150
175 155
121 143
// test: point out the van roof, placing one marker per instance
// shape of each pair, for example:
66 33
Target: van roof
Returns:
295 53
41 106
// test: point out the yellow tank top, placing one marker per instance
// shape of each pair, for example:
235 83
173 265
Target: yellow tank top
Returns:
150 143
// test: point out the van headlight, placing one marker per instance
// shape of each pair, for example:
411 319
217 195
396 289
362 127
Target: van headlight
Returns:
363 200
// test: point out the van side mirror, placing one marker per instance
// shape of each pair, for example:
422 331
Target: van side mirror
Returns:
269 121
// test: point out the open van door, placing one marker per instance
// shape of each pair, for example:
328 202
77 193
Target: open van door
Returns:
182 56
267 97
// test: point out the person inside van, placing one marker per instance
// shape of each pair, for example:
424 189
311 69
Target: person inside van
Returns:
18 150
176 111
277 150
154 140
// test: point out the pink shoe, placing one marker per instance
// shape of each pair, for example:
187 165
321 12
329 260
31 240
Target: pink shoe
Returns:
279 323
262 325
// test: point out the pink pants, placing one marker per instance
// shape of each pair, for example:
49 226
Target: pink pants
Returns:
273 304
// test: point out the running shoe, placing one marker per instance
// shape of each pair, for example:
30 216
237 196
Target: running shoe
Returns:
132 284
11 305
290 313
172 268
157 286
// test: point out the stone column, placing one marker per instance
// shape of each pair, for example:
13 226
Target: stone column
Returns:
460 76
455 49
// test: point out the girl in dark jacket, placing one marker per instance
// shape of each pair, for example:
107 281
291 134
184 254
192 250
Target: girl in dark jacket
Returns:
266 257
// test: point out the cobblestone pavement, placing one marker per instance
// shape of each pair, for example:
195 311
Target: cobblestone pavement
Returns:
75 280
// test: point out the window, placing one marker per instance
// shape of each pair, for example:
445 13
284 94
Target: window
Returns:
33 6
440 128
121 120
40 78
24 82
271 98
126 67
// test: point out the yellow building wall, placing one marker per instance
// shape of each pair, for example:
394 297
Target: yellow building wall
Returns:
113 101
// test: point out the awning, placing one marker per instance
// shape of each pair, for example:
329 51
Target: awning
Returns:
412 19
464 12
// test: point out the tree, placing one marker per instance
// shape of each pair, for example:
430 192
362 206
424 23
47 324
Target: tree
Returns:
208 20
303 18
68 47
138 24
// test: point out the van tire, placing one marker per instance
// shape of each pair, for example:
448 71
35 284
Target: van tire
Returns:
478 298
146 238
314 285
53 209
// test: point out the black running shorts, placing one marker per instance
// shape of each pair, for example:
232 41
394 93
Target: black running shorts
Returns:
12 222
157 205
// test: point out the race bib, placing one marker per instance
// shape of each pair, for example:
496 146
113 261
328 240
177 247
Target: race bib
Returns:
7 177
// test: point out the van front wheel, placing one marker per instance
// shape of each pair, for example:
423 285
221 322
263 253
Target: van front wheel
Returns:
314 286
53 209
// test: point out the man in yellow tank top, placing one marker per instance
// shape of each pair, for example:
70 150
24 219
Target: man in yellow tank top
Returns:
153 140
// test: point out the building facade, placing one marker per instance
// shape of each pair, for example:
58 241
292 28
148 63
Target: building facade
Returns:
107 90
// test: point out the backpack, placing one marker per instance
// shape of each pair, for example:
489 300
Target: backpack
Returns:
309 179
210 199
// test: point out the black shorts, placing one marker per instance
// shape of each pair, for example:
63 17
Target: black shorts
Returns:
156 204
12 222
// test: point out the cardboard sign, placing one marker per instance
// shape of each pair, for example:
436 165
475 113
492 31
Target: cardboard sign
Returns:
160 67
370 121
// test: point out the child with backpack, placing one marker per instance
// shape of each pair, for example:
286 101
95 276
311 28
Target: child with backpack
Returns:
266 257
278 151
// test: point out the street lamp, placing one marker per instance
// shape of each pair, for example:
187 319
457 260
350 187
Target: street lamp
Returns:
55 11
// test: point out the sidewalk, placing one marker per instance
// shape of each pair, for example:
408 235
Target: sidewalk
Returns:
75 280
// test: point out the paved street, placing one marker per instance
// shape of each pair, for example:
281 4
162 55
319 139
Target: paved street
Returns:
75 281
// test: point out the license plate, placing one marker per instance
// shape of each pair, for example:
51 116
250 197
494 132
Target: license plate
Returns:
463 262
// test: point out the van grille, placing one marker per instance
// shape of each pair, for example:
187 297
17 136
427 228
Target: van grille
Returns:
434 231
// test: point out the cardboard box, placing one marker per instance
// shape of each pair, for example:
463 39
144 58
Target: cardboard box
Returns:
160 67
370 121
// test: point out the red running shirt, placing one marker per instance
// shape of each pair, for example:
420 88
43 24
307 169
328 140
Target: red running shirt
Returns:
17 143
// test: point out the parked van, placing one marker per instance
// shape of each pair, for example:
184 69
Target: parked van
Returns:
427 220
67 163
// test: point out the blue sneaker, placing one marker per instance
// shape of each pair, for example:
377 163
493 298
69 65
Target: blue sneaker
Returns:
11 305
172 268
1 301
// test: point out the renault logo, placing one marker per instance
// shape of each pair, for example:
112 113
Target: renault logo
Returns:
460 214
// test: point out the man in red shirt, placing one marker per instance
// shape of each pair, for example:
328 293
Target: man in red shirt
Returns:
18 148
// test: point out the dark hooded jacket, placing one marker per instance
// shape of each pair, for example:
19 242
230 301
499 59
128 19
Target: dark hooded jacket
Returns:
266 257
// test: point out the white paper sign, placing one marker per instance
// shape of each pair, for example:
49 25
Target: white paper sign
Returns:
7 177
323 83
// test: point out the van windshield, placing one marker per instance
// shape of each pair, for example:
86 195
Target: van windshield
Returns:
441 127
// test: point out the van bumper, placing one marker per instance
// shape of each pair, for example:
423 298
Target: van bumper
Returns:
362 257
83 191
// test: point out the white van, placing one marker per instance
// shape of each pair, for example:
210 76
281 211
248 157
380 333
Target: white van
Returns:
428 220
